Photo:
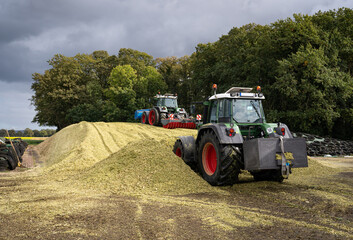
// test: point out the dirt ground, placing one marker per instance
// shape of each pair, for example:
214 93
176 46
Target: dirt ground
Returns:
314 203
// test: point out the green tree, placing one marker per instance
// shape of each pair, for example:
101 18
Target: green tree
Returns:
36 133
138 60
90 112
19 134
176 74
152 84
270 56
68 83
28 132
308 91
3 133
43 133
12 133
103 66
121 82
51 132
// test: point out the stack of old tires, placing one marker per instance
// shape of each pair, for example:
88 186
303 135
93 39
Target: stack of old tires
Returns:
321 146
9 156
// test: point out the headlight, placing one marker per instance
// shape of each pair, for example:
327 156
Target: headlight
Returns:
269 130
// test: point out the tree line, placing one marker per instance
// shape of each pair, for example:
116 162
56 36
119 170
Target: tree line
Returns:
304 65
27 133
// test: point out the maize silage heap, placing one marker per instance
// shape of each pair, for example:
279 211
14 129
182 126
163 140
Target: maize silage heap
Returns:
119 157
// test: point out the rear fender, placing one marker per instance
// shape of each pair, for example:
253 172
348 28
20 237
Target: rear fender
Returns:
220 131
138 113
277 131
161 109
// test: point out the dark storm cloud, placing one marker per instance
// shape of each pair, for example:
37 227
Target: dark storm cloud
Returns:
32 31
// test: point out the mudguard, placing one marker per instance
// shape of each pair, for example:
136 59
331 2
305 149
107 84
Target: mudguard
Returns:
138 113
220 131
277 131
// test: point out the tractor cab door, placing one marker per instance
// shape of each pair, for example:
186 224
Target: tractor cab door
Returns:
212 114
220 111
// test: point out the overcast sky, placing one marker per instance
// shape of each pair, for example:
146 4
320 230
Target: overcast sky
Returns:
32 31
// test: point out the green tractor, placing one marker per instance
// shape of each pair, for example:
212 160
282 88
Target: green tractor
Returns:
235 136
165 113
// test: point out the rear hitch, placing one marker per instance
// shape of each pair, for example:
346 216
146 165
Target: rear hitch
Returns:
285 165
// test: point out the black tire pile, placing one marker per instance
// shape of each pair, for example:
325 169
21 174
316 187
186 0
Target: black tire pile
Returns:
8 159
320 146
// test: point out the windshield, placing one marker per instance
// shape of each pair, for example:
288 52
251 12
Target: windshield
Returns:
247 111
168 102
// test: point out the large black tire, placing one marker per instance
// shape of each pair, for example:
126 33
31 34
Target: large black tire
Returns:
153 117
22 147
12 164
144 118
268 175
18 152
219 164
4 164
12 159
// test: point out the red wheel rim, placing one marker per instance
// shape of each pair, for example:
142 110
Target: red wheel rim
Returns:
209 159
152 117
178 152
143 118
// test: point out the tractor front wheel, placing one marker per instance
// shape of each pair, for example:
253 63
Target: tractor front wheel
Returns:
153 117
178 149
219 164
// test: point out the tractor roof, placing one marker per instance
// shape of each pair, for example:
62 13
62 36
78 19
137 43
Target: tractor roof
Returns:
238 92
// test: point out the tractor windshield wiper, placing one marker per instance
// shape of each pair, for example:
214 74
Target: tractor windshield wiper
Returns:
257 112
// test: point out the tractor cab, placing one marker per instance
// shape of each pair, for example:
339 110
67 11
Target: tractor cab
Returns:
167 100
241 108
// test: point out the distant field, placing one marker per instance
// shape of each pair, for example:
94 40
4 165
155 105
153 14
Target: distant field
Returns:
29 138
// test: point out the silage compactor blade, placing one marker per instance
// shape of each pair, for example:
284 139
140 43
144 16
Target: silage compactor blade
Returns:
176 123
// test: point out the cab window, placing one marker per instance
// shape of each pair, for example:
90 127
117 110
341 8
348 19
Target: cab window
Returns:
224 111
213 112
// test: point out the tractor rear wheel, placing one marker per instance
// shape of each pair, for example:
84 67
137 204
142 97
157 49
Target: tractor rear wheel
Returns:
144 119
219 164
153 117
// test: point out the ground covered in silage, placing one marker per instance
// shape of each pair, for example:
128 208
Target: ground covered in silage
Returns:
122 181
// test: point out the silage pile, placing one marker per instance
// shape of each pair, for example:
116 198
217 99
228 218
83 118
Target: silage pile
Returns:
120 158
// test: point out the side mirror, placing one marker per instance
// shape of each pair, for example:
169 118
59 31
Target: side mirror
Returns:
192 109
